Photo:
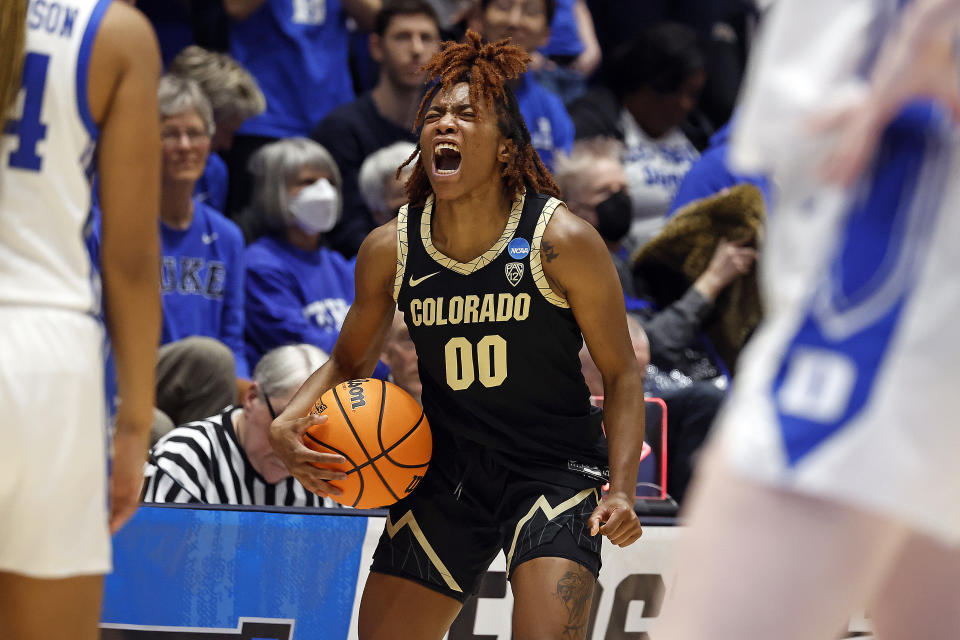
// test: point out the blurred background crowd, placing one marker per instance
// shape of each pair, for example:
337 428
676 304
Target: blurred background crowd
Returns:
283 123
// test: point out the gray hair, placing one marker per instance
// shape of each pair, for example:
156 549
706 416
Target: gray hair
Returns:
177 95
380 166
284 369
569 169
272 166
232 91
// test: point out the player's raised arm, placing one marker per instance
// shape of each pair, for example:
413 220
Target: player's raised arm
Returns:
578 265
124 72
355 355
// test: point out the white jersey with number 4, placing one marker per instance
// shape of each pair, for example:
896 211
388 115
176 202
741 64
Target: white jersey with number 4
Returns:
45 161
53 426
849 389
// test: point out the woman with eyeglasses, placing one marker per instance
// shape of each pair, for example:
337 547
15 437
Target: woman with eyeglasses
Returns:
229 459
201 277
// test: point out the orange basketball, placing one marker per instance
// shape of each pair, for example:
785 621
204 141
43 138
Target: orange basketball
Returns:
382 432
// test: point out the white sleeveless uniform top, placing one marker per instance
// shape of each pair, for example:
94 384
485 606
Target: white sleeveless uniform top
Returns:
51 359
45 161
848 390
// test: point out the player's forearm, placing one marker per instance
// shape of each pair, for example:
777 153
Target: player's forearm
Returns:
623 410
333 372
131 291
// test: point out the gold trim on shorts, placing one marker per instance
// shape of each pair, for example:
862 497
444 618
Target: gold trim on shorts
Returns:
550 512
410 521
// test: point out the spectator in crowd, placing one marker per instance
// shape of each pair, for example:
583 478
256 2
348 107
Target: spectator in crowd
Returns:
381 188
641 349
697 330
400 354
652 84
406 35
594 186
725 29
677 343
298 52
572 53
711 174
201 270
226 458
527 24
690 412
297 288
182 23
234 96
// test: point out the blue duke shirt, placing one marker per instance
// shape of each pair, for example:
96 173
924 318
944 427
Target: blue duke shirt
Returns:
201 282
551 128
211 188
295 295
297 51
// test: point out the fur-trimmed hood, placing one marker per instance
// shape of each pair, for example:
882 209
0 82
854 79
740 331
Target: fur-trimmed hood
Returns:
667 265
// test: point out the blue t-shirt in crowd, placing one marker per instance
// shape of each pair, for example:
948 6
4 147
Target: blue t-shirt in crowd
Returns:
172 23
564 35
211 188
710 174
297 50
201 282
547 119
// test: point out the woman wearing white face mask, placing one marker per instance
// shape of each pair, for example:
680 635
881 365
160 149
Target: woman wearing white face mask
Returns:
297 288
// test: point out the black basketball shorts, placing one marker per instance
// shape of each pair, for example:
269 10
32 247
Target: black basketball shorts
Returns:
447 532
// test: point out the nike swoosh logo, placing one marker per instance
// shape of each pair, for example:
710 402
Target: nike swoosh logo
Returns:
415 281
208 239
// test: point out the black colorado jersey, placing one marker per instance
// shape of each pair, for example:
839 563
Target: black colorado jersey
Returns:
498 349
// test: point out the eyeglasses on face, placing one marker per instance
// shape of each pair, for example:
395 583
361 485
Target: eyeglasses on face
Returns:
172 137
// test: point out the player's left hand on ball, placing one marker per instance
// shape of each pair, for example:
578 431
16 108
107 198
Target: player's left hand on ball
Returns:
615 518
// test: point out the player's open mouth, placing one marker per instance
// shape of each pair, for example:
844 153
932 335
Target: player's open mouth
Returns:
446 158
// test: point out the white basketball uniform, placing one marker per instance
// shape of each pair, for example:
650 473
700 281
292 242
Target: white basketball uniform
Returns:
848 389
53 462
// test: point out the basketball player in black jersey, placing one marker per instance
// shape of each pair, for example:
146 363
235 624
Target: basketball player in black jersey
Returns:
497 281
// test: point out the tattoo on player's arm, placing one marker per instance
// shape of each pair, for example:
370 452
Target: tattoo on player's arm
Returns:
549 252
575 590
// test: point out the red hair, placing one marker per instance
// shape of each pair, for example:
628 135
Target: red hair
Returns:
487 68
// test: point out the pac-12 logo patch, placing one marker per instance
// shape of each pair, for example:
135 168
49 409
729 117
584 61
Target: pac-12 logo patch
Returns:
518 248
514 271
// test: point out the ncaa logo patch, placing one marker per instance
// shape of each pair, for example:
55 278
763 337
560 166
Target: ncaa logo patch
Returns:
518 248
514 271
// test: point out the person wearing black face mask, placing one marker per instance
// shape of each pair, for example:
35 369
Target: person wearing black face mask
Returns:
685 375
594 187
613 216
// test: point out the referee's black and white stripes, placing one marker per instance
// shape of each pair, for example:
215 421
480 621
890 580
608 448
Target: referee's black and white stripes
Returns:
202 462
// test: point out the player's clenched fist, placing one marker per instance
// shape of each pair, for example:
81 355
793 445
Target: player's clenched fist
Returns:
615 518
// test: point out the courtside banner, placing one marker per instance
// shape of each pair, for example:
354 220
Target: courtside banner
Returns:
241 574
203 574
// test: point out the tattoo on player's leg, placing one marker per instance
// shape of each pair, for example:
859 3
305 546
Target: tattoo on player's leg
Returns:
575 590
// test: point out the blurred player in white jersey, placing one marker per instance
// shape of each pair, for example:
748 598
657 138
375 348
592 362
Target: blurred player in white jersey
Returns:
78 83
832 483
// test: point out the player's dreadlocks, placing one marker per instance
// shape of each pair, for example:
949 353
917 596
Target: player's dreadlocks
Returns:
487 68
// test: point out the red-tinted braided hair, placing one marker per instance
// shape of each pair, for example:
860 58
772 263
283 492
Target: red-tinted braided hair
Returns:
487 68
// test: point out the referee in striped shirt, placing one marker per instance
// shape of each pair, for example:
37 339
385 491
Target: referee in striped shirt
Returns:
226 459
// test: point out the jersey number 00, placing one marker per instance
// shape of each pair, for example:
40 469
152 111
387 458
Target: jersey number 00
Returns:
491 360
